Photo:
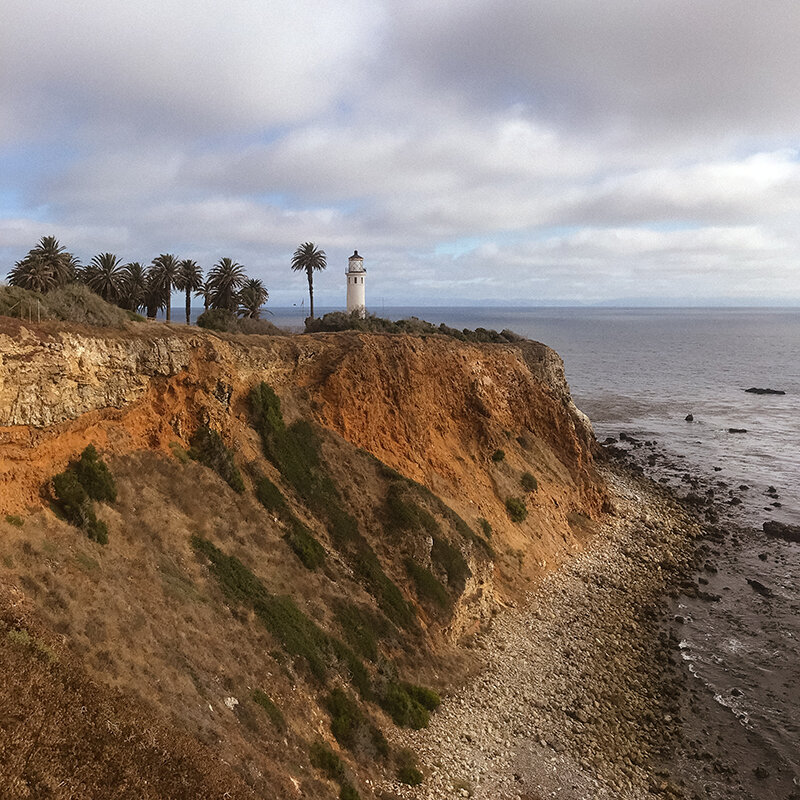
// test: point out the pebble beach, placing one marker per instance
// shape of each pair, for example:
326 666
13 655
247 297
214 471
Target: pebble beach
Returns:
583 693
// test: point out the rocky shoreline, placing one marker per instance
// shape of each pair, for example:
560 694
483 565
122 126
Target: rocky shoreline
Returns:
584 694
579 698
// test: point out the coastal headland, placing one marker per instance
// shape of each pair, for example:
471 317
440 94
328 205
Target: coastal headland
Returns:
313 541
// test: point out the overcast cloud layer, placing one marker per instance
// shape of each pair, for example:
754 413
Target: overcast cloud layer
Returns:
479 151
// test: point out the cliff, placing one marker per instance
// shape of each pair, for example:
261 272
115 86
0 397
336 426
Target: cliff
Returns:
414 447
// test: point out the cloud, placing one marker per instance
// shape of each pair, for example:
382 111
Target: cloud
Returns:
716 67
474 150
156 68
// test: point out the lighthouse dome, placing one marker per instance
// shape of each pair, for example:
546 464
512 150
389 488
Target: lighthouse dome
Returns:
355 263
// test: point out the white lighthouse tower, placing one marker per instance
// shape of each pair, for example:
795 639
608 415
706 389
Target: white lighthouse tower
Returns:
355 285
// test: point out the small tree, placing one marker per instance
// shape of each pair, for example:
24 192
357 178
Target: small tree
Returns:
189 278
164 272
47 266
252 296
308 259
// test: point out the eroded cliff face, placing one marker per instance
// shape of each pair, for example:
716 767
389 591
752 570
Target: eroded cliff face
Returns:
434 409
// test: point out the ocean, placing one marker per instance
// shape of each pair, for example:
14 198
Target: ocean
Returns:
640 372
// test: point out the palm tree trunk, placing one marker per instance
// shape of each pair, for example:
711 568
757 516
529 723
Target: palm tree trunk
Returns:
311 291
188 305
169 308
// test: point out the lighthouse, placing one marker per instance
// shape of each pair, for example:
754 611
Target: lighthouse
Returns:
355 285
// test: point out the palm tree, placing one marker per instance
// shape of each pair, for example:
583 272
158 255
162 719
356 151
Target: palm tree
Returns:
48 266
252 296
307 258
104 276
164 270
133 286
189 279
156 295
206 291
225 279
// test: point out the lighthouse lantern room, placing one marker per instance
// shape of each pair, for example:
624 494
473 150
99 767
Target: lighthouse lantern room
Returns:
355 285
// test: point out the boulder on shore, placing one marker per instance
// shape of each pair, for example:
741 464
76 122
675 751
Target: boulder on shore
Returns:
782 530
754 390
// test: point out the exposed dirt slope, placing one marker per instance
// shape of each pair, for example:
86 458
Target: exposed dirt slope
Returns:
151 614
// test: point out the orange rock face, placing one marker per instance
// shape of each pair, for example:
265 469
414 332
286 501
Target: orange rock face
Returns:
435 409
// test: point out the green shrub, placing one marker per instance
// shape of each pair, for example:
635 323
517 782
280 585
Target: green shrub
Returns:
449 559
362 628
325 760
341 321
407 769
427 698
346 717
348 792
498 455
271 497
379 741
310 552
72 498
208 448
73 303
95 476
356 671
429 587
516 509
97 530
485 527
266 409
76 505
529 482
217 319
406 515
16 521
405 710
273 712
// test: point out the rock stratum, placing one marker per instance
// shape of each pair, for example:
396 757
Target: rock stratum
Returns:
142 660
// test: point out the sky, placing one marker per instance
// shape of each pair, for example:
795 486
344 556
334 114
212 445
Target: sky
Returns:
477 152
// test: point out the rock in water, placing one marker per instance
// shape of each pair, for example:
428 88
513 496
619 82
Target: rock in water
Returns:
782 530
737 430
754 390
689 417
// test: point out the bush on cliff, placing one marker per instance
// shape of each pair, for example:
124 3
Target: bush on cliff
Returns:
529 482
72 303
516 509
310 552
407 768
95 476
429 587
208 448
83 481
341 321
275 715
225 321
408 705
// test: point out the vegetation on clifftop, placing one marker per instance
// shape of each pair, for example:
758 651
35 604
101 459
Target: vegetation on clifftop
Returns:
342 321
